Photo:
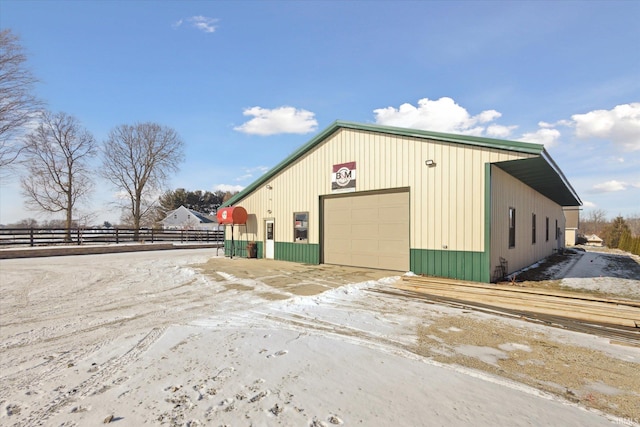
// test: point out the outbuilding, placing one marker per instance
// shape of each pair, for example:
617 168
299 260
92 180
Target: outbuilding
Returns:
401 199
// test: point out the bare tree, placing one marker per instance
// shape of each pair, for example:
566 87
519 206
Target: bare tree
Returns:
138 160
56 157
18 106
594 222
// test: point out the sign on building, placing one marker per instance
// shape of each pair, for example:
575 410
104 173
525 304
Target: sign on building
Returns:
343 178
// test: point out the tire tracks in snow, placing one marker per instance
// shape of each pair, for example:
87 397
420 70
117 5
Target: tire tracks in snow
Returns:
99 382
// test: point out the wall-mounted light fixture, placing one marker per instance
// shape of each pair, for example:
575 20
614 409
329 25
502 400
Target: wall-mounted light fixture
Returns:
268 211
430 163
269 187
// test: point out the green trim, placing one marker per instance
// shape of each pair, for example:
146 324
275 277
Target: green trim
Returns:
521 147
486 271
285 251
462 265
241 248
501 144
297 252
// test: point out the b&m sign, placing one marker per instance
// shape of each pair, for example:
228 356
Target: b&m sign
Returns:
343 178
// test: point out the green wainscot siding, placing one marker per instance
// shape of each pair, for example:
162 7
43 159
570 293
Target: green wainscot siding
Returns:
241 248
298 252
462 265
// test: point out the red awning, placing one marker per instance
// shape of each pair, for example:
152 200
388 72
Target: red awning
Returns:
233 215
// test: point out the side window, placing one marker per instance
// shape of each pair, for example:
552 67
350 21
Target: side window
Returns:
512 227
546 233
301 227
533 229
557 230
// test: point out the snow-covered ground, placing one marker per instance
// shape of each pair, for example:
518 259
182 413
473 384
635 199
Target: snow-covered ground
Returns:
604 272
148 338
595 269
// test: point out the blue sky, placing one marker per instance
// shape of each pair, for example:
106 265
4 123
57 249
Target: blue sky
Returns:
246 83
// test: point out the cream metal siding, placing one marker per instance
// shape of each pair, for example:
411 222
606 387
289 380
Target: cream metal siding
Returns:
367 230
572 216
447 201
508 192
572 224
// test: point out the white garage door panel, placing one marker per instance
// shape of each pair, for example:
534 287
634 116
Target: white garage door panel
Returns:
367 231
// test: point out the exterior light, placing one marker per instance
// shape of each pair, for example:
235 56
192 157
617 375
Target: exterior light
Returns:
430 163
269 187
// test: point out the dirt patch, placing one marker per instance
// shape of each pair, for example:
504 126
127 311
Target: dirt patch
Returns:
578 374
289 277
546 270
623 267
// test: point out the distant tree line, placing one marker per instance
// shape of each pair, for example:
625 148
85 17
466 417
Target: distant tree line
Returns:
200 201
622 233
205 202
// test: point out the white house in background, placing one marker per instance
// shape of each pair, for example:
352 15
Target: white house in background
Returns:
187 219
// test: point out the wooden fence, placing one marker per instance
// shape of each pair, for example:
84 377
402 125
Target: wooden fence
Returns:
89 236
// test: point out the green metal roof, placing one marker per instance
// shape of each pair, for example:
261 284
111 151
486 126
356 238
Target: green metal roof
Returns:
542 175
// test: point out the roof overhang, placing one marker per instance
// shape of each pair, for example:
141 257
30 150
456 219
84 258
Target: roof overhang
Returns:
543 175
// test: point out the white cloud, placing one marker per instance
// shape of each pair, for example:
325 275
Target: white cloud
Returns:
567 123
251 172
199 22
621 125
610 186
442 115
203 23
279 120
499 131
228 187
546 136
589 205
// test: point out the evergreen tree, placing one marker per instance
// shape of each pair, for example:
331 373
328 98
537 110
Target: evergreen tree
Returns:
615 231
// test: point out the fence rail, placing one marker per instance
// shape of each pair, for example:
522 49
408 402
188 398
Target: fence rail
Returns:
89 236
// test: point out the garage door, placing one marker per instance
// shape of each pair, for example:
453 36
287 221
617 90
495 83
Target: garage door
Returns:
367 231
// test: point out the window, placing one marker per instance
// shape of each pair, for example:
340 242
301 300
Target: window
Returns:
533 229
512 227
300 227
557 230
546 232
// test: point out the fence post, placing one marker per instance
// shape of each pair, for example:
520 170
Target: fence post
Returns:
79 237
31 236
181 236
117 237
152 235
